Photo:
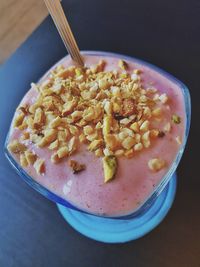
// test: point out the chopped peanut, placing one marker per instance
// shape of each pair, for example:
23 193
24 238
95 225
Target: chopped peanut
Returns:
30 157
129 153
54 158
144 126
138 147
89 114
19 120
95 144
23 161
122 135
99 152
55 123
154 133
69 107
147 112
128 142
128 132
73 130
103 84
156 164
88 130
137 138
76 115
129 107
98 125
72 145
16 147
49 137
135 127
119 152
63 152
39 166
82 138
116 108
39 118
92 137
157 112
63 136
25 136
146 139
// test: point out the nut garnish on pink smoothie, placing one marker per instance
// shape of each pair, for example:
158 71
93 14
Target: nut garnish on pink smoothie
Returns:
112 112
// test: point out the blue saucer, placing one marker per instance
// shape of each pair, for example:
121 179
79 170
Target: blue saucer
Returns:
122 230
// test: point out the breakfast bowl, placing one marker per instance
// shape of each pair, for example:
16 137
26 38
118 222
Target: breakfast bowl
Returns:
119 182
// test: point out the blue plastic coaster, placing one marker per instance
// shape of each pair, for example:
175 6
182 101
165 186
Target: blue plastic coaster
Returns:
122 230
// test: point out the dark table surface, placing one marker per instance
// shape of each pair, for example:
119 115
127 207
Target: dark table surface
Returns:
165 33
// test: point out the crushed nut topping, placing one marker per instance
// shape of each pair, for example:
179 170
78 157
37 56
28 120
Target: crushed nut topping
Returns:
16 147
39 166
176 119
156 164
76 167
109 111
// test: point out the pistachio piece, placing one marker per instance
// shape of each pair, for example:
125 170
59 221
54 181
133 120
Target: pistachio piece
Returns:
110 167
106 125
122 64
176 119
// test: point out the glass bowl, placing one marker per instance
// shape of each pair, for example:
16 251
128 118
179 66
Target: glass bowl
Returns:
158 189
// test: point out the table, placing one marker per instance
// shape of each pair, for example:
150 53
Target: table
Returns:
18 19
32 232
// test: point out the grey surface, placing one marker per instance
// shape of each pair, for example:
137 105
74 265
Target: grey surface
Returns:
32 232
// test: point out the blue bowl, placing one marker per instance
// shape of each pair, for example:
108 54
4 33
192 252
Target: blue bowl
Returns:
157 191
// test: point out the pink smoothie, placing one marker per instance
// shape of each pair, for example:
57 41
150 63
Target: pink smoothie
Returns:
134 181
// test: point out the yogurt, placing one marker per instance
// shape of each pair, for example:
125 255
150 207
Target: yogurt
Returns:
134 180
